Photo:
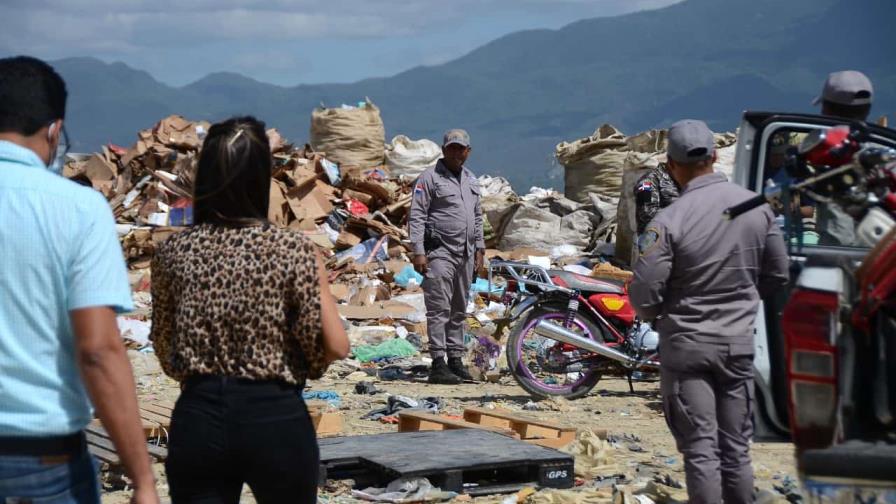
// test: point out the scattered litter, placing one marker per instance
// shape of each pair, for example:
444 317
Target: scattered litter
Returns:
390 348
396 403
585 496
134 330
661 492
408 277
332 398
483 356
405 490
593 455
564 251
366 388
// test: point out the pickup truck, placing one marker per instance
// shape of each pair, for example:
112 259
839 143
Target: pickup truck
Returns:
836 399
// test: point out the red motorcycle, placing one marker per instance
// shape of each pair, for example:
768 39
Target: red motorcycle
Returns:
568 329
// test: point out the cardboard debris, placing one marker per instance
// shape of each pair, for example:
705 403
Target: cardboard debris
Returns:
395 310
340 291
607 270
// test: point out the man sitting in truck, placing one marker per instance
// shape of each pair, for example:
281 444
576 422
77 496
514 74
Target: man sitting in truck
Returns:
846 94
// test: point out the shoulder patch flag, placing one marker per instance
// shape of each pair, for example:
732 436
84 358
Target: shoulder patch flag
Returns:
418 189
645 186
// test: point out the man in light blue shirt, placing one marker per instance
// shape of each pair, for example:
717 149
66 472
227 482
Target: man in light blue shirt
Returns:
62 280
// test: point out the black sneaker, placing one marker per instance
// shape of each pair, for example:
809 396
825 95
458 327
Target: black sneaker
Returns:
440 374
457 367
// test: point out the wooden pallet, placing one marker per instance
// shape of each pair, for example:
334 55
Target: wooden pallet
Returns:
531 430
155 417
100 445
413 421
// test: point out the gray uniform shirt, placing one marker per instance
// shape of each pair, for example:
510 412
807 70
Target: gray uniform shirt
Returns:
702 274
449 206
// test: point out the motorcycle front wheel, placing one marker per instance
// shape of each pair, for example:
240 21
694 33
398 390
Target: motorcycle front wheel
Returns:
545 367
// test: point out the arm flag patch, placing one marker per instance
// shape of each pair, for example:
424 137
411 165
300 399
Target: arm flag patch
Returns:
648 240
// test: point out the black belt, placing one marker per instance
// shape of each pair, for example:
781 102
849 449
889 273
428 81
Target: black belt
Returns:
194 380
72 444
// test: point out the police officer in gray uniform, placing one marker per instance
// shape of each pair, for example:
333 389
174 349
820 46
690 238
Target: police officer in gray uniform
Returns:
446 234
699 278
654 191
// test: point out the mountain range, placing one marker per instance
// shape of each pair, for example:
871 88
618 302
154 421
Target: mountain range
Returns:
521 94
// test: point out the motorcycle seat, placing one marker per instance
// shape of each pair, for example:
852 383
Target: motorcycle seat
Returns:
587 284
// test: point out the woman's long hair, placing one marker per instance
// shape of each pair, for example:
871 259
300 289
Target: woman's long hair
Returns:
233 178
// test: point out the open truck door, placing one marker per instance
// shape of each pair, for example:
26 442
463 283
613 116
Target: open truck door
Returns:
762 141
837 453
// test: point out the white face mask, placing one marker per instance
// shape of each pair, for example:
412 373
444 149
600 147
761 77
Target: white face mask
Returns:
57 160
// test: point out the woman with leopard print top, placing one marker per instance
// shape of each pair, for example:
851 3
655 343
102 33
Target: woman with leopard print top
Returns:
242 316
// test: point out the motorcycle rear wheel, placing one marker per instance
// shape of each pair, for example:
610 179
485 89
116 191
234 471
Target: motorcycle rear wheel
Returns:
523 344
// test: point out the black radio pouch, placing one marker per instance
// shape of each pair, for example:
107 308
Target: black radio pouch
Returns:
431 240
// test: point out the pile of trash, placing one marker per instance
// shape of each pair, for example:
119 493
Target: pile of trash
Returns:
354 210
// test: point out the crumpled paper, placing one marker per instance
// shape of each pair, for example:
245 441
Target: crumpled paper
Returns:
602 496
593 456
405 490
663 494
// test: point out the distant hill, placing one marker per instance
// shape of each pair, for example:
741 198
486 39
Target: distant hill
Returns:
523 93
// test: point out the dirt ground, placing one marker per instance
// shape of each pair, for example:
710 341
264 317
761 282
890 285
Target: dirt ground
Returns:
641 447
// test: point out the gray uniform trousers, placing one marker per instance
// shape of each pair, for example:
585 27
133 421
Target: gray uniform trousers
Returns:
707 392
446 286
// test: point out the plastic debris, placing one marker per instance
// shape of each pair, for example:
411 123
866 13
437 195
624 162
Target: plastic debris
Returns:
390 348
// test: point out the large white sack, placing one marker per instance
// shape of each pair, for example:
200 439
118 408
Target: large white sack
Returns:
606 208
592 164
409 158
494 186
548 223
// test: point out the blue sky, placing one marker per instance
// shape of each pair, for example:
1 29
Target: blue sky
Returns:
284 42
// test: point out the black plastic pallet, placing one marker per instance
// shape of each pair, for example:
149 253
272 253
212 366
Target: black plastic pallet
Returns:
469 461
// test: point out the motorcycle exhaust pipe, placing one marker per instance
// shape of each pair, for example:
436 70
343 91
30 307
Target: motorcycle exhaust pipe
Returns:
557 332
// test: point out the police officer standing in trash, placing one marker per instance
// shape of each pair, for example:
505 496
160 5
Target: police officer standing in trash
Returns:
699 278
446 235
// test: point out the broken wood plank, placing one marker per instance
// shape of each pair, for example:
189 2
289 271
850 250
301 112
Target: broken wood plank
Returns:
98 441
158 409
160 420
150 429
410 421
164 403
546 433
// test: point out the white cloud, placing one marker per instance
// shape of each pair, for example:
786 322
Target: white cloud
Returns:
143 22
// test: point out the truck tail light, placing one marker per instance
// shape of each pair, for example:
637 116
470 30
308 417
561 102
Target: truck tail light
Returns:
810 324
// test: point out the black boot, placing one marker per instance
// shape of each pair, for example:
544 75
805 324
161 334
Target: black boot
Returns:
457 367
441 375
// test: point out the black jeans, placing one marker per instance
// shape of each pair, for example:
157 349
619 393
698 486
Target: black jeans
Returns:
228 431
